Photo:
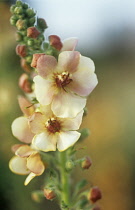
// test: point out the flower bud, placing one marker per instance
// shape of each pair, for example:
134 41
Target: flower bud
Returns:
25 6
18 10
35 59
32 32
30 12
12 8
86 163
69 165
37 196
19 3
31 21
55 42
29 59
41 23
13 20
49 194
25 66
21 50
25 84
94 194
30 42
21 24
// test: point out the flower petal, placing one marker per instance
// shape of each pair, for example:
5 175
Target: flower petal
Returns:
84 79
46 110
67 139
21 130
46 65
45 142
62 103
43 90
29 178
37 122
69 44
24 151
25 106
72 123
18 165
34 164
15 147
68 61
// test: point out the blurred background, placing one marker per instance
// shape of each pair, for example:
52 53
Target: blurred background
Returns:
106 33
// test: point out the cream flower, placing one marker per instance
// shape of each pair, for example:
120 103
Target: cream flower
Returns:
66 83
26 162
52 132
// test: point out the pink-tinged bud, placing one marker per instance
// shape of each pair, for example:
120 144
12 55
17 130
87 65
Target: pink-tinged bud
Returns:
21 50
86 163
96 208
24 83
55 42
94 194
32 32
49 194
25 65
35 59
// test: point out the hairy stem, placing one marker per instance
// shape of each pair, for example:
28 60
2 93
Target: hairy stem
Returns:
64 176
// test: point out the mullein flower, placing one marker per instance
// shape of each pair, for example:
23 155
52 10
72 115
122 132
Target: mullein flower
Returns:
26 161
66 83
52 132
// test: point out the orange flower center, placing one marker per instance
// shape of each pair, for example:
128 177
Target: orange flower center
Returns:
63 79
53 125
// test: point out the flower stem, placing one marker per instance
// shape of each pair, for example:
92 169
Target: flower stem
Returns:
64 179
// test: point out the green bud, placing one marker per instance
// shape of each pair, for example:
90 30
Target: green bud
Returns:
45 45
13 21
38 42
21 16
37 196
41 23
31 21
12 8
28 59
69 165
23 32
18 10
30 12
30 42
19 3
25 6
85 132
49 52
21 24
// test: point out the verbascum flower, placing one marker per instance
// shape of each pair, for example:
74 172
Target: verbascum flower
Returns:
52 132
66 83
26 161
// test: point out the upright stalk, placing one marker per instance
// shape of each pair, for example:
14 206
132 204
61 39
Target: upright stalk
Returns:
64 176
